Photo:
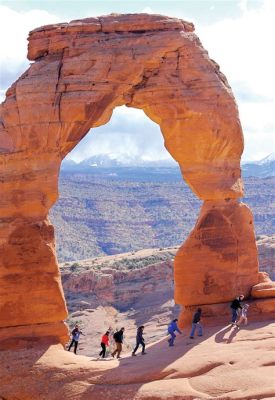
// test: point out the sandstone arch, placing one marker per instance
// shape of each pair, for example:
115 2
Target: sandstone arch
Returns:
81 72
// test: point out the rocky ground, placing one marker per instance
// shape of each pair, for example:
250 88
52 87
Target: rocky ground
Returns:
126 290
224 364
129 290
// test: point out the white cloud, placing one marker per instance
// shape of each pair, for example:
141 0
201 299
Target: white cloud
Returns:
14 29
147 10
243 47
129 133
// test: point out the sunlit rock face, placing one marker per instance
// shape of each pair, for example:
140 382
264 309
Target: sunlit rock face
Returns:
80 72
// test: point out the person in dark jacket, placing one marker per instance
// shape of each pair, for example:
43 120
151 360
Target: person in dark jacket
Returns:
139 340
172 328
236 307
118 337
196 324
75 338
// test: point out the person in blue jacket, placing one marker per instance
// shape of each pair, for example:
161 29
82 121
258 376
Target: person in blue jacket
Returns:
75 338
172 328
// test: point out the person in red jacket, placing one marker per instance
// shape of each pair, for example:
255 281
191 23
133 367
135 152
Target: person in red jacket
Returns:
104 343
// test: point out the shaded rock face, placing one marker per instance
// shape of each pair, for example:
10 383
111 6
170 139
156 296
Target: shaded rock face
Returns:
81 72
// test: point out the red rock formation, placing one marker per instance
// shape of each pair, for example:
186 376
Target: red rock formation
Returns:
81 72
264 288
219 258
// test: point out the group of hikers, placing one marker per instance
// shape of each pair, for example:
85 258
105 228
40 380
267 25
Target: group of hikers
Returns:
239 316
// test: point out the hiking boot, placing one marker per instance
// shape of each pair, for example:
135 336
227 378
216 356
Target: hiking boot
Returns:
133 354
143 353
191 337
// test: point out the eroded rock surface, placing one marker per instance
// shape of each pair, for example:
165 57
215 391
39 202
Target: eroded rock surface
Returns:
225 363
219 258
81 72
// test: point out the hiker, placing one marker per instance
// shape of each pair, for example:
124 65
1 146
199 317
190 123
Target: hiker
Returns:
196 324
104 343
235 307
75 338
172 327
118 337
243 316
139 340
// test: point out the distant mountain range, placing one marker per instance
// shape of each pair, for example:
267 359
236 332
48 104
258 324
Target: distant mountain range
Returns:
261 169
115 160
103 162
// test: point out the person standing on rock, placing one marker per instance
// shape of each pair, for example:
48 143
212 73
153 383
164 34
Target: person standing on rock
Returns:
243 317
118 337
235 308
172 328
75 338
104 343
139 340
196 324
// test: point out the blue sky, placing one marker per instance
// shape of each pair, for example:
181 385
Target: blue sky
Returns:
238 34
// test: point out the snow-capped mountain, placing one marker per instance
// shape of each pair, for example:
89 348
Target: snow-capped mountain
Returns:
261 169
114 160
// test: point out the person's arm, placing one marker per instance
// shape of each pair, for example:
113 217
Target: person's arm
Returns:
177 329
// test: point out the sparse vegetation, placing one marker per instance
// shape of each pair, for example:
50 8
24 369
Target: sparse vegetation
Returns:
96 216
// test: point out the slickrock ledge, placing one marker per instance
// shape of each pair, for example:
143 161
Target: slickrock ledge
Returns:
224 364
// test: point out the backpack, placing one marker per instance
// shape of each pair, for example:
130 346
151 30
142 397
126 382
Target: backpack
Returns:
115 335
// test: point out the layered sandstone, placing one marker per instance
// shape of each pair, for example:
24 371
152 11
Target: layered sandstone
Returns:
219 256
81 72
119 280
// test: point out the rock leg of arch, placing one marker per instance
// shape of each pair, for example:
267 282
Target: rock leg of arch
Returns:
80 72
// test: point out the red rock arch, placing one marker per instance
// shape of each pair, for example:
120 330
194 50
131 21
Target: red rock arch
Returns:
80 72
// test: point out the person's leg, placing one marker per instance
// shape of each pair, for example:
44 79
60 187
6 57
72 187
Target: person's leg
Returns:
200 333
193 331
143 348
115 351
234 315
135 349
103 349
170 339
101 352
75 346
119 349
245 320
72 342
173 337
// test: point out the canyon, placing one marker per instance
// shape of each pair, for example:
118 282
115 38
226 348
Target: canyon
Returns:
116 210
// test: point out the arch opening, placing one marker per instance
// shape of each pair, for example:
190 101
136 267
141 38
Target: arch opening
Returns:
134 212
